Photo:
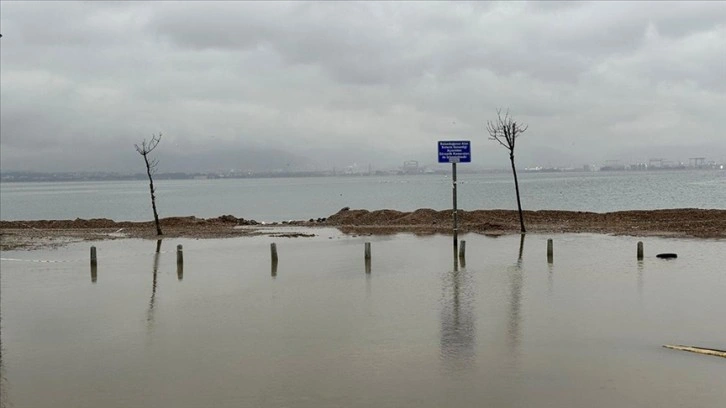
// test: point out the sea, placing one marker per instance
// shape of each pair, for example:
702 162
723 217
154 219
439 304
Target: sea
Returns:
302 198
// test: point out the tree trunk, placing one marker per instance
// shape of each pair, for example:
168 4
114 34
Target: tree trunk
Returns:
153 197
516 187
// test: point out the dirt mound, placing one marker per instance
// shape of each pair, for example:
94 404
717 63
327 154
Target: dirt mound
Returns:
685 222
688 222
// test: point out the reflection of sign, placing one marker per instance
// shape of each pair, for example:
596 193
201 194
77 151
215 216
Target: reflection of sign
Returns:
454 151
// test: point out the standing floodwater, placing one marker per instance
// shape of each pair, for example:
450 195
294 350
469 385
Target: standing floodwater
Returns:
508 329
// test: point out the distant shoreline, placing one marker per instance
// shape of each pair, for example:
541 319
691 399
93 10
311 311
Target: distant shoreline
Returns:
43 177
679 223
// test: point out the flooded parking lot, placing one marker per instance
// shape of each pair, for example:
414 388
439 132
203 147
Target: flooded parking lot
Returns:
505 328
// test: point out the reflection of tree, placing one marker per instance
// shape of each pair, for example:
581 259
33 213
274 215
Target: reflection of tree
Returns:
516 282
521 250
152 302
3 393
458 332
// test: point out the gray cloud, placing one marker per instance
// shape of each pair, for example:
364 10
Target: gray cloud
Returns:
381 81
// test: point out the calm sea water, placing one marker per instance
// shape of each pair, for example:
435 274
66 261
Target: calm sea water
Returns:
304 198
506 330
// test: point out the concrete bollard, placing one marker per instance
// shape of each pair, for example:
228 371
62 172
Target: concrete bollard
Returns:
550 251
640 250
179 254
94 260
367 253
273 252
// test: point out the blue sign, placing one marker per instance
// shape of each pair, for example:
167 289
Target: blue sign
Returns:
454 151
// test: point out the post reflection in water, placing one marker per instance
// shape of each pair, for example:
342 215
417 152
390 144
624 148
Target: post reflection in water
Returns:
94 273
273 268
640 278
368 286
550 278
458 331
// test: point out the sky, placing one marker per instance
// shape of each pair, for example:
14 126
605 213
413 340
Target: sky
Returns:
316 85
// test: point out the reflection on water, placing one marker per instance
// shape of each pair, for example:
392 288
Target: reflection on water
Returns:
458 331
550 278
462 255
514 313
368 286
640 279
155 270
273 268
94 273
521 250
435 333
516 282
3 390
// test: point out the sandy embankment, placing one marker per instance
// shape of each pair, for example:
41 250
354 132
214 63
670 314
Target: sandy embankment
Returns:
696 223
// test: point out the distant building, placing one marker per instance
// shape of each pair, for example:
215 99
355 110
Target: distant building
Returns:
410 167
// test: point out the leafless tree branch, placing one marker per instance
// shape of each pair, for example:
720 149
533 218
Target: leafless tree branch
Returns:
144 150
148 147
505 131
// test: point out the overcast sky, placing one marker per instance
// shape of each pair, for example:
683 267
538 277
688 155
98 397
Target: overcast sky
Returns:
322 84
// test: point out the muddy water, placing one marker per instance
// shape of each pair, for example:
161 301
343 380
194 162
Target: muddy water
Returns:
501 330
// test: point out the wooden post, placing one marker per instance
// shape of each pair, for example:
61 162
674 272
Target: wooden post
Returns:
367 257
462 250
640 250
179 254
273 268
273 252
180 271
94 260
550 251
94 273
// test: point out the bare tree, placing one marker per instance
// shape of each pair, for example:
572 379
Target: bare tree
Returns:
144 151
506 130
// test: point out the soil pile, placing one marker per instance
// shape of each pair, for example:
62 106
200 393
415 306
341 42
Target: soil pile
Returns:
687 222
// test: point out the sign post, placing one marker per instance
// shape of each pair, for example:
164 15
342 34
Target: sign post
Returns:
454 151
